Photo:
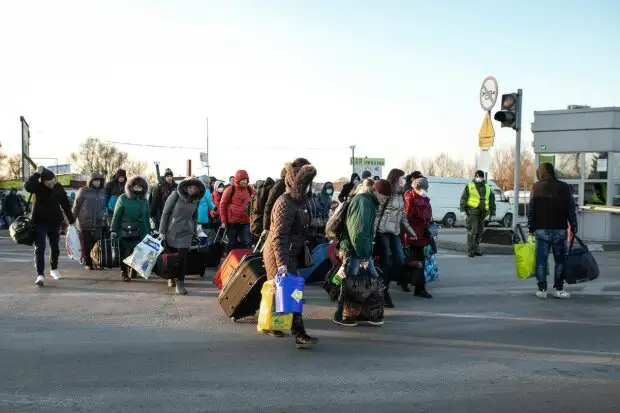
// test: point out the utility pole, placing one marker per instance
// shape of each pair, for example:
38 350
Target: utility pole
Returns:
517 178
207 142
352 147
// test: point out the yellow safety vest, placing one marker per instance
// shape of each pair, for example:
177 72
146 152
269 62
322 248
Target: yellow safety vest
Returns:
474 196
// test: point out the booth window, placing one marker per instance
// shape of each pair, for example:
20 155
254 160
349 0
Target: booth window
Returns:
596 165
575 191
566 165
595 193
615 164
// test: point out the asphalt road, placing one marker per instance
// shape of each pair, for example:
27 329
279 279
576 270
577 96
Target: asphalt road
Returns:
90 343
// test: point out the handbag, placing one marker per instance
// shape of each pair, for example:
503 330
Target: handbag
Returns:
304 259
131 230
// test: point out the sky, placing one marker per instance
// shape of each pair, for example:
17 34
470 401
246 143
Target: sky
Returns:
289 78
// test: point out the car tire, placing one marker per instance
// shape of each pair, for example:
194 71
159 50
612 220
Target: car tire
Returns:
507 221
449 220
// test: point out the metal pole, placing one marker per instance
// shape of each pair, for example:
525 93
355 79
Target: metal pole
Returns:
208 166
352 158
517 180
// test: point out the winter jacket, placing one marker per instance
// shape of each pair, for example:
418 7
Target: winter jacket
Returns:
419 215
393 218
48 204
205 207
132 208
319 205
552 205
11 206
359 232
481 186
289 222
233 202
276 191
114 189
89 205
257 208
179 217
216 197
160 194
347 188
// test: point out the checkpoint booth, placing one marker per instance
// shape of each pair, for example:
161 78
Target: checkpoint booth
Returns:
583 144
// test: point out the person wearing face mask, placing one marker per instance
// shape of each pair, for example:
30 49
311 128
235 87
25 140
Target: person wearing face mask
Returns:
113 189
477 203
233 214
318 207
216 197
389 227
419 214
89 210
130 222
160 194
348 188
178 224
49 202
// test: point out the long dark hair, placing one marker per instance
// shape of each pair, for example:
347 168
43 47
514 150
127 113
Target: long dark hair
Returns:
394 176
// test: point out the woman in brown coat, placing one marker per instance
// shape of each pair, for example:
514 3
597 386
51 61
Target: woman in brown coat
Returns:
287 235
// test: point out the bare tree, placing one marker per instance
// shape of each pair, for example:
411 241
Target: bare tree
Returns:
443 165
97 156
14 167
503 168
338 183
410 165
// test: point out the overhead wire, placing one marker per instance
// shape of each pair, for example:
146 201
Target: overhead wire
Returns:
274 148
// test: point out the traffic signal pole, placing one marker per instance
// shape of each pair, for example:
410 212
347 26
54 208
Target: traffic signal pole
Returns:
517 177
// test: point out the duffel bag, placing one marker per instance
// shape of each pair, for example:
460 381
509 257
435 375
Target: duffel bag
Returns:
580 265
21 231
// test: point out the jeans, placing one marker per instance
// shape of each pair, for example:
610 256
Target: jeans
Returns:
41 234
550 240
390 243
352 270
239 236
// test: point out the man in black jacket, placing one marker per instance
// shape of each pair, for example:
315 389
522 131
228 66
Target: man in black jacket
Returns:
160 195
49 202
11 208
551 209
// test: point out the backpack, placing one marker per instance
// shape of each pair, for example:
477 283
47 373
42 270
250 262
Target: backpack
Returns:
257 205
336 224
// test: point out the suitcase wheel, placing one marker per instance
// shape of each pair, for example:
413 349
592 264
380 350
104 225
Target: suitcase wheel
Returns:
233 319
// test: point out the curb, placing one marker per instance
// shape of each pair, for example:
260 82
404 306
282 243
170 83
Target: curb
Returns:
490 249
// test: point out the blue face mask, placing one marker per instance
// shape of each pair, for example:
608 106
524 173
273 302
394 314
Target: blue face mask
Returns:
329 191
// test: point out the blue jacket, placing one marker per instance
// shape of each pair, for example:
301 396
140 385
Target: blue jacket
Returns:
206 204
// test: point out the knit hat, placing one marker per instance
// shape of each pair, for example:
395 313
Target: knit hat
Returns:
121 172
383 187
420 183
479 174
168 172
47 175
205 179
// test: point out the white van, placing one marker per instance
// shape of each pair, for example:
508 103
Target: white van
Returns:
445 195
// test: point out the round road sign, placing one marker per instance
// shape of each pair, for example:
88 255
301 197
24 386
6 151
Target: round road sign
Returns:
488 93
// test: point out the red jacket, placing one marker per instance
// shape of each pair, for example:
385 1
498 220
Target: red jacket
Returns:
419 213
232 206
215 197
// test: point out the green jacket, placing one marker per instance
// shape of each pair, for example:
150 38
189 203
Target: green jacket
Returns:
482 191
131 209
358 236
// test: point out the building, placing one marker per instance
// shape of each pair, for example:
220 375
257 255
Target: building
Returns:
583 144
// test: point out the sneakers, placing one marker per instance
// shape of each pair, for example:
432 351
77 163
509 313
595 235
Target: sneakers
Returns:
541 294
55 274
560 294
375 322
304 341
40 280
345 322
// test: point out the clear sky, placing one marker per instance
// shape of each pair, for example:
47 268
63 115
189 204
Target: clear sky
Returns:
395 78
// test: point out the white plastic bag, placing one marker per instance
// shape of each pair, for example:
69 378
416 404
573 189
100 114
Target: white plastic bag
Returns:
74 244
144 256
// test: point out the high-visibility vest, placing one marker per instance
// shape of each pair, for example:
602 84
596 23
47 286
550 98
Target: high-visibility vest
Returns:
474 196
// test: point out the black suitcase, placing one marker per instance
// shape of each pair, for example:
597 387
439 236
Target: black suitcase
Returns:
106 254
580 265
215 249
196 263
241 295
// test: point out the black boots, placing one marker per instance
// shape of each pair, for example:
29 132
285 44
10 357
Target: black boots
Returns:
180 287
302 339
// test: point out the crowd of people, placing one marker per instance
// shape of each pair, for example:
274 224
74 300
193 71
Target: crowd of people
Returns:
388 224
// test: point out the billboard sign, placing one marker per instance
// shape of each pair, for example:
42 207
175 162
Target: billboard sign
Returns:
374 165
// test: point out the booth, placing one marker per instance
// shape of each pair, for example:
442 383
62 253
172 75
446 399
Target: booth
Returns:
583 144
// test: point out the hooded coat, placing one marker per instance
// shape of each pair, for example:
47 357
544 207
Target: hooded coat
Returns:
552 205
132 208
234 200
11 206
89 206
216 197
160 194
276 191
359 233
257 209
345 193
114 189
180 215
393 219
48 204
419 215
320 204
289 222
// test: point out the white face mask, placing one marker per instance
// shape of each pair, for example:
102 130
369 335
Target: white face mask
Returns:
220 190
422 192
356 182
478 179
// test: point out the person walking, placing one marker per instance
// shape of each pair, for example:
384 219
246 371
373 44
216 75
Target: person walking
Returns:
477 203
130 221
206 205
11 207
89 210
113 189
233 213
50 200
287 236
160 194
178 223
419 214
348 189
551 210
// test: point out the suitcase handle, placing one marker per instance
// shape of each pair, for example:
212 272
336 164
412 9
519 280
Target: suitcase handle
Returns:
260 244
219 234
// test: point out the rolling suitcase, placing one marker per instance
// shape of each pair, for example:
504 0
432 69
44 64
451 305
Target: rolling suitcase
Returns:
233 260
241 295
196 259
106 254
215 249
168 265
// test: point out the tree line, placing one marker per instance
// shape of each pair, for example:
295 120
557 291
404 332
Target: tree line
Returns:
93 155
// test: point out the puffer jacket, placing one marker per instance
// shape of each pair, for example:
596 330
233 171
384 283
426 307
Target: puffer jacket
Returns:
419 214
216 197
114 189
132 208
179 217
205 207
233 203
89 206
289 222
393 216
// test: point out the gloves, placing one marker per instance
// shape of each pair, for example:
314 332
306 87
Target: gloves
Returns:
463 214
113 235
223 226
282 270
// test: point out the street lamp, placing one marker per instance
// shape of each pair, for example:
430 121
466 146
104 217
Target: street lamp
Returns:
352 147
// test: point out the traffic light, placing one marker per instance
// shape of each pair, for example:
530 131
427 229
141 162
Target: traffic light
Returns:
508 115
